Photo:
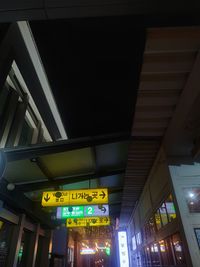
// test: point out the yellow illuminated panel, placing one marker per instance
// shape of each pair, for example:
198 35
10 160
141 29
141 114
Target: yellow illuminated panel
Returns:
87 251
89 196
55 198
75 197
89 221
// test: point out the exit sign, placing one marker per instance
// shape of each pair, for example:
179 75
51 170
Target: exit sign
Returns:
72 212
82 211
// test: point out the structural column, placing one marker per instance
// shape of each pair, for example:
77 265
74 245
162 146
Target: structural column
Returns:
32 251
45 249
16 242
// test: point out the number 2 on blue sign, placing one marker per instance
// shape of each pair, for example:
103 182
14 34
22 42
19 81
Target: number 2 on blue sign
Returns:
90 210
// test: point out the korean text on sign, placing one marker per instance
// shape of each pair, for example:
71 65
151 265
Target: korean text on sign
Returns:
90 221
75 197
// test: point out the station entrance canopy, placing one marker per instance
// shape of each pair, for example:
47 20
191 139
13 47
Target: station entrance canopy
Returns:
64 166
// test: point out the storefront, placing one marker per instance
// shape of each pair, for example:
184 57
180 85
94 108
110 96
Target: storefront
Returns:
22 241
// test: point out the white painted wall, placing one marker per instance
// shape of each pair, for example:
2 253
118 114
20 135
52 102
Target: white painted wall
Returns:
187 176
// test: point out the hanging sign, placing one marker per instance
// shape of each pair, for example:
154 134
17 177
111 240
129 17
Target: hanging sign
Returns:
87 251
96 210
70 212
82 211
90 221
75 197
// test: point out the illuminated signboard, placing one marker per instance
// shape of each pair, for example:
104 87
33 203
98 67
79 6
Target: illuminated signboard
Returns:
107 251
70 212
90 221
75 197
123 249
87 251
82 211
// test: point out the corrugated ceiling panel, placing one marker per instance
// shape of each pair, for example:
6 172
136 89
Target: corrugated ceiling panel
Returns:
168 59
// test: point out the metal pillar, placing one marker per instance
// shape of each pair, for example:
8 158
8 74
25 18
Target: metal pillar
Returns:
16 242
33 247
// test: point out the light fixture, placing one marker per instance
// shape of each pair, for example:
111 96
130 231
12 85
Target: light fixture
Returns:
10 187
191 195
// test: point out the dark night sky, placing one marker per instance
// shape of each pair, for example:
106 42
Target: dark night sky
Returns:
93 67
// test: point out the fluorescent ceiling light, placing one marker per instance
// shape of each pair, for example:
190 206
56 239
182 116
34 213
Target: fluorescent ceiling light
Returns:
27 35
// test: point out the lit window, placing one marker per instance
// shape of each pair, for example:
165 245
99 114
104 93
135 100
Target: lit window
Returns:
192 196
170 208
139 238
162 246
158 219
178 250
163 214
134 243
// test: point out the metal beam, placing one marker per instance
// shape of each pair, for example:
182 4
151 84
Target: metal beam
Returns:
67 180
2 163
35 151
44 10
62 146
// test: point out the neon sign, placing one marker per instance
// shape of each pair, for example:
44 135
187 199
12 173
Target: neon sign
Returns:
87 251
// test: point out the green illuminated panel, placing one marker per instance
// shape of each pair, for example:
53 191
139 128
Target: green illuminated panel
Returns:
82 211
72 212
107 250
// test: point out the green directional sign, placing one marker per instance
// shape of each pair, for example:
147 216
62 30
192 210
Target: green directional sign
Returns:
82 211
72 212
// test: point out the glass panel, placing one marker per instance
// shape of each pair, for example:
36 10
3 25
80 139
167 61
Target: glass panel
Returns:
158 219
41 243
155 257
134 243
178 249
170 208
169 248
146 231
197 234
5 236
24 249
151 226
147 256
163 251
26 135
139 238
163 214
